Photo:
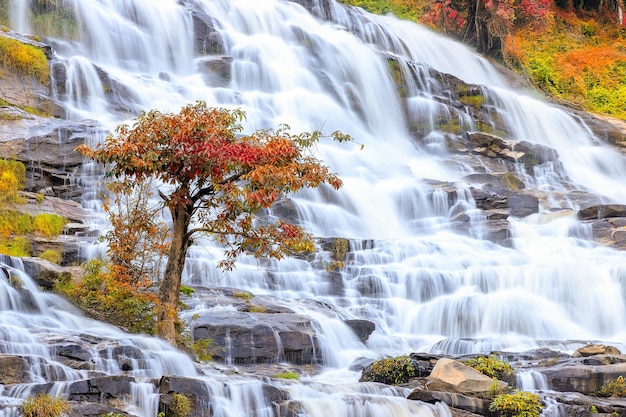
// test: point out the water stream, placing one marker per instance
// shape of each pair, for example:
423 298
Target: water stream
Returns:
426 286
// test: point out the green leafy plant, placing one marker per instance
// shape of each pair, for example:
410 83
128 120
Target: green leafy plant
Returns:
518 404
51 256
614 388
491 366
391 371
44 405
50 225
188 291
287 375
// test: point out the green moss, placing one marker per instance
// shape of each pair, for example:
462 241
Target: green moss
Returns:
51 256
4 12
26 59
287 375
491 366
449 125
392 371
54 18
518 404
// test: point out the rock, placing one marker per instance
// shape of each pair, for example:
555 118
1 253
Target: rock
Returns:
602 211
80 409
207 39
45 273
216 70
49 155
454 400
15 370
452 376
99 388
522 205
362 328
595 349
25 91
575 376
247 338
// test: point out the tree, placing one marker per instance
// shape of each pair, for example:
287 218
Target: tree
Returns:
216 179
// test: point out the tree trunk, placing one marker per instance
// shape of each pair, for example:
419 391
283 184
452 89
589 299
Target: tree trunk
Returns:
169 291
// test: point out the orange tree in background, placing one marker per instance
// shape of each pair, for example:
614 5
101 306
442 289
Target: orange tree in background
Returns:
216 179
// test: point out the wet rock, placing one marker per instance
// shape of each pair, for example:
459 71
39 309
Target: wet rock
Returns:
247 338
362 328
99 388
15 370
573 376
453 376
216 70
196 391
602 211
207 39
50 157
454 400
45 273
80 409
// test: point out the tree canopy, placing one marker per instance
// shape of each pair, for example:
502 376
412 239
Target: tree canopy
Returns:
215 180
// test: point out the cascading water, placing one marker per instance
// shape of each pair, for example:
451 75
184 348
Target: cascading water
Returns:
426 286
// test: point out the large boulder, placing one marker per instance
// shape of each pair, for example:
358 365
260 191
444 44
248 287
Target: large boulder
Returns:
577 376
247 338
593 349
474 405
453 376
14 370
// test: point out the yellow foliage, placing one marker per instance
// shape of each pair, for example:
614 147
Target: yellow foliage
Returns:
25 59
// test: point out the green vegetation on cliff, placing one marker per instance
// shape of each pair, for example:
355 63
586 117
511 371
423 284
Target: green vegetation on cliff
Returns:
25 59
574 52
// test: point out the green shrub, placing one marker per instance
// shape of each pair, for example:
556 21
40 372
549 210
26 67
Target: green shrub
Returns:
18 246
25 59
14 223
616 388
50 225
518 404
287 375
44 405
392 371
180 406
104 297
51 256
491 366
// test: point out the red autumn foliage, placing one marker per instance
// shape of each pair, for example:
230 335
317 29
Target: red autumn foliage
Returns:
218 181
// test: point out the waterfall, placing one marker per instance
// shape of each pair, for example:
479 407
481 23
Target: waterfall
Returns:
427 286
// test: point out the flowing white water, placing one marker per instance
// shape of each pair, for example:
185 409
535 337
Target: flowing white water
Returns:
425 286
